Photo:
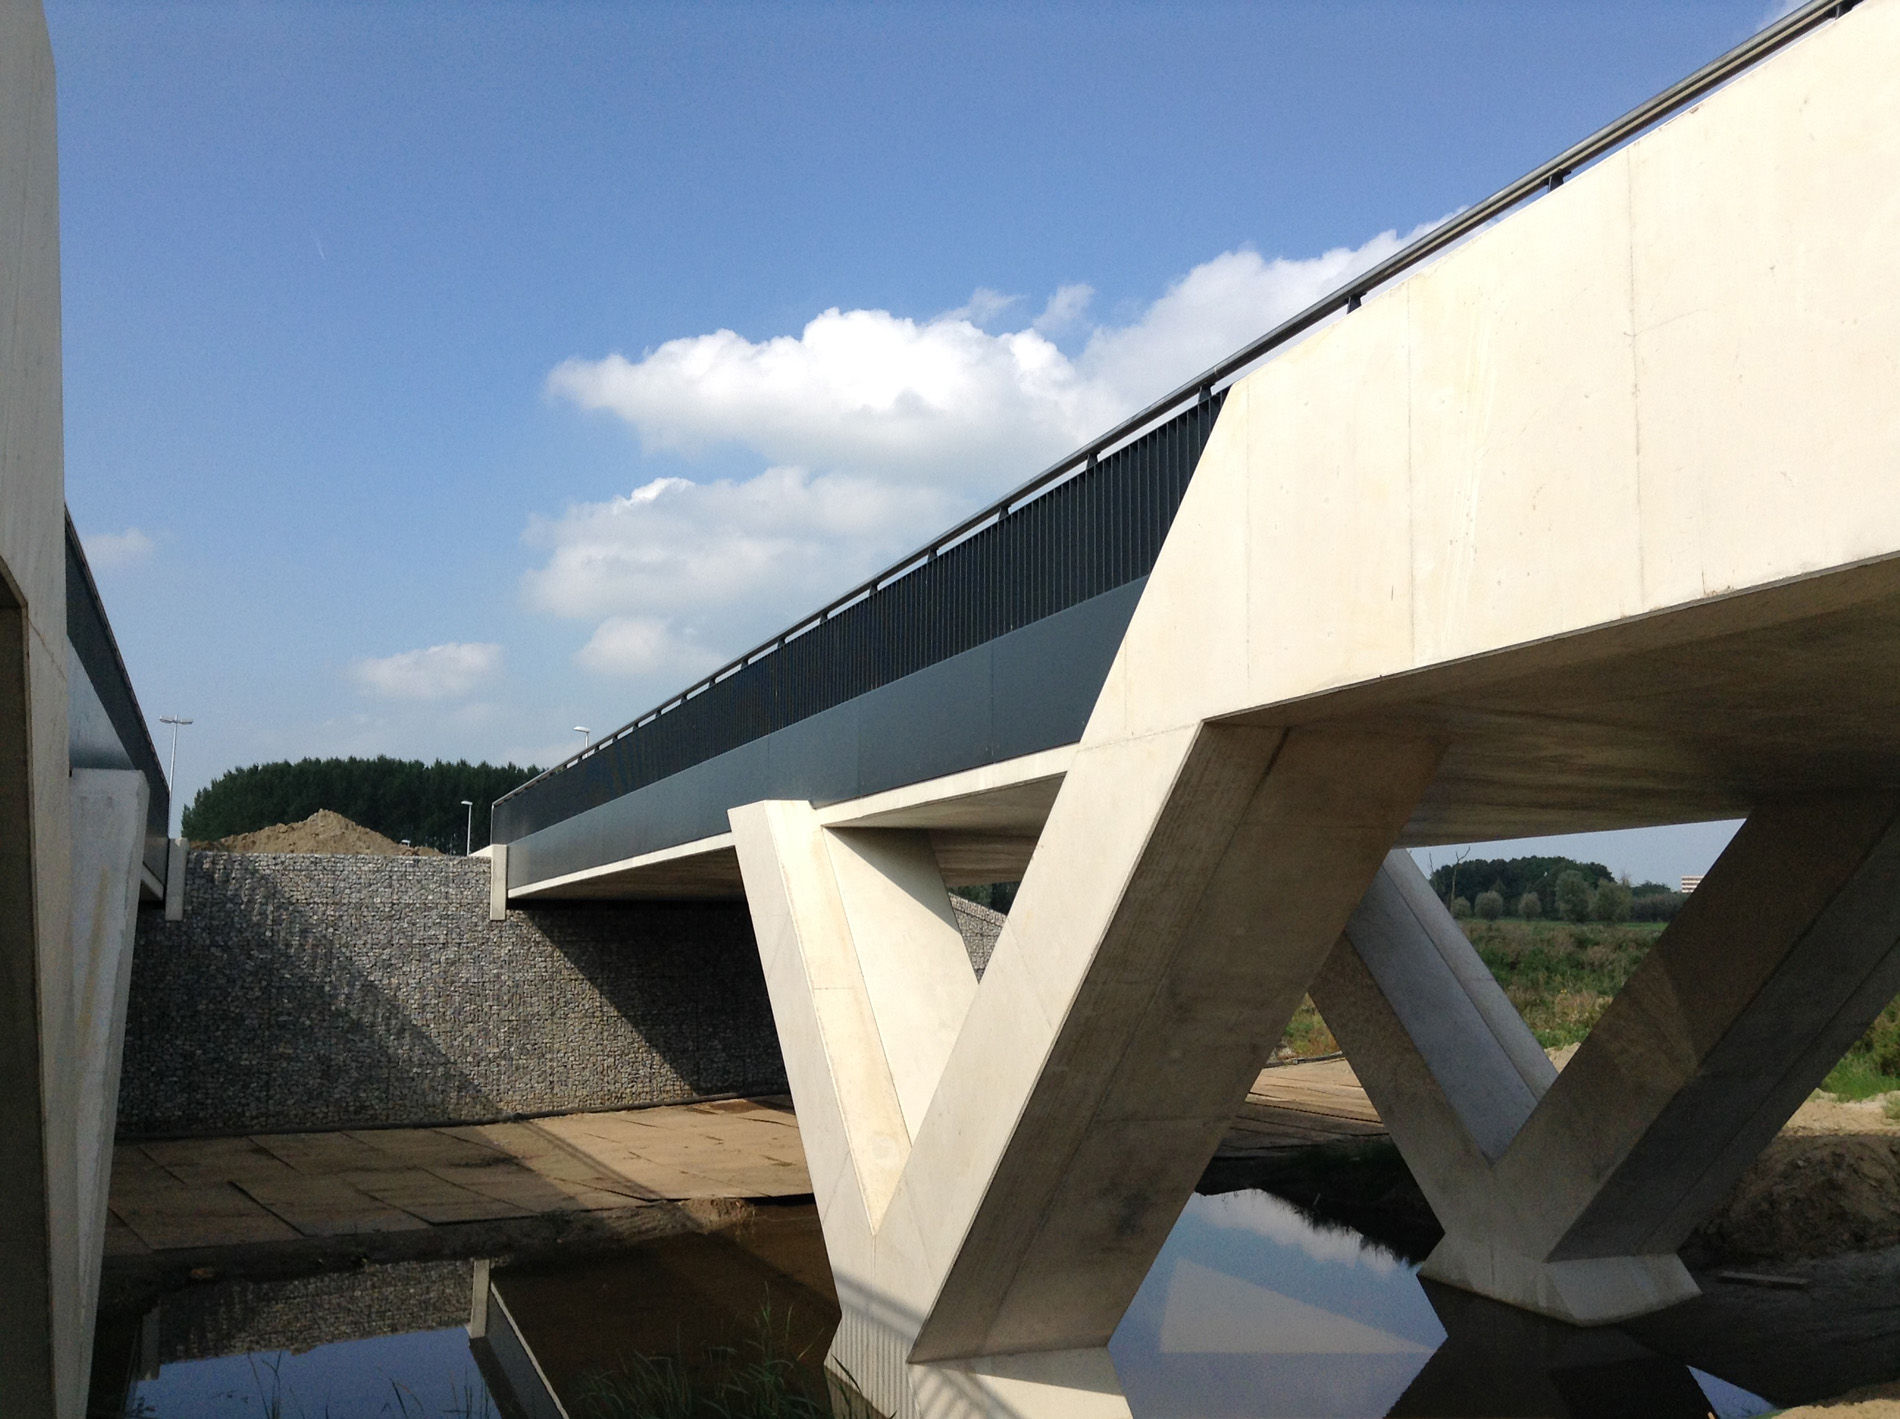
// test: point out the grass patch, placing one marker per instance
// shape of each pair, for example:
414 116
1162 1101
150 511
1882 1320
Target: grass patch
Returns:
1561 975
1872 1066
1306 1034
765 1379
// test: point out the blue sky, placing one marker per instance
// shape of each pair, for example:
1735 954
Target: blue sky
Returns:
439 377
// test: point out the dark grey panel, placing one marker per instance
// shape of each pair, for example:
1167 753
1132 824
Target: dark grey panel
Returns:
934 722
680 809
1031 689
817 758
1049 674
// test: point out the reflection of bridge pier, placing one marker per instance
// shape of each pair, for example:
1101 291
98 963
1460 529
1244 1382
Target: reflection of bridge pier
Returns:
1498 1359
1590 522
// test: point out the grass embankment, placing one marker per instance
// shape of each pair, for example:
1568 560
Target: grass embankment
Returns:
1561 976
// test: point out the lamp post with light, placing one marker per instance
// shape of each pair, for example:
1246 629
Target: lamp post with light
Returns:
586 734
171 778
468 830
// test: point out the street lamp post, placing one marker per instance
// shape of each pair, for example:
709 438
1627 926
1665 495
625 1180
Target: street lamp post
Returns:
171 778
468 831
586 734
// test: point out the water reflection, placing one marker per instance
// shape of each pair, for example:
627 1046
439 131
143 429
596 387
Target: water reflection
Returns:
426 1372
1250 1310
729 1319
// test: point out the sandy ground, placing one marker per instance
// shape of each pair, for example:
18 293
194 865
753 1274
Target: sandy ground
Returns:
1873 1402
1828 1184
322 831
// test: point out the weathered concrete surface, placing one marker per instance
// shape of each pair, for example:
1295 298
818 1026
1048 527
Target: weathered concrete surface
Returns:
108 845
1591 523
1023 1212
44 1318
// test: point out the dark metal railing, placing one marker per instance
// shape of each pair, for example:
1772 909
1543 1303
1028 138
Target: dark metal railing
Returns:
1095 531
896 622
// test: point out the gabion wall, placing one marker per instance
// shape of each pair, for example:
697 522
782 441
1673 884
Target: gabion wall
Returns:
306 991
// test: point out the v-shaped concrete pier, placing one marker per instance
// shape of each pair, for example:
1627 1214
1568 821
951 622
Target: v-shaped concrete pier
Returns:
1587 519
1593 522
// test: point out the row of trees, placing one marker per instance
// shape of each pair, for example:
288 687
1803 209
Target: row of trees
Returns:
399 798
1557 887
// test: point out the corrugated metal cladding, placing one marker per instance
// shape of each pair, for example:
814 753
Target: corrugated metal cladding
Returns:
1099 530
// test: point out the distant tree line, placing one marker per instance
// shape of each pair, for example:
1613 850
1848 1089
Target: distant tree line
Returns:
1557 887
399 798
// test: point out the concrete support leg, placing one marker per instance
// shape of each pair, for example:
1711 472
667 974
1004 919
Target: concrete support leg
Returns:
998 1165
108 842
177 857
1570 1195
498 882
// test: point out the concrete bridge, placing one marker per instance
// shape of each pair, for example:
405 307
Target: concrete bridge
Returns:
1583 514
83 801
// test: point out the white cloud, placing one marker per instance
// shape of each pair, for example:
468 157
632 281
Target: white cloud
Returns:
1267 1216
439 672
643 645
936 401
112 551
1211 312
1064 310
983 306
675 547
877 430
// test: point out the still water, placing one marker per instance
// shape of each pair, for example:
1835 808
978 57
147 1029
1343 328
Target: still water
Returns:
1250 1310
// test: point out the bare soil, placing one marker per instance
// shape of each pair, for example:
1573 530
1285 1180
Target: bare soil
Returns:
322 831
1873 1402
1829 1183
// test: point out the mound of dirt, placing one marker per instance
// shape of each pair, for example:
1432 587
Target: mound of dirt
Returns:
1828 1183
322 831
1873 1402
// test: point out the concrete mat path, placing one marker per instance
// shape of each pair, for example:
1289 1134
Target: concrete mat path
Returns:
271 1187
209 1192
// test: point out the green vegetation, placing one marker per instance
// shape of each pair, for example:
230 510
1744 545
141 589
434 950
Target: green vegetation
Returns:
399 798
766 1381
1872 1066
1554 887
1561 975
1306 1034
1575 936
998 896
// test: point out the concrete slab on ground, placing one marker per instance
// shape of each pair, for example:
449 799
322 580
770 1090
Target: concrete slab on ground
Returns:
207 1192
270 1187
